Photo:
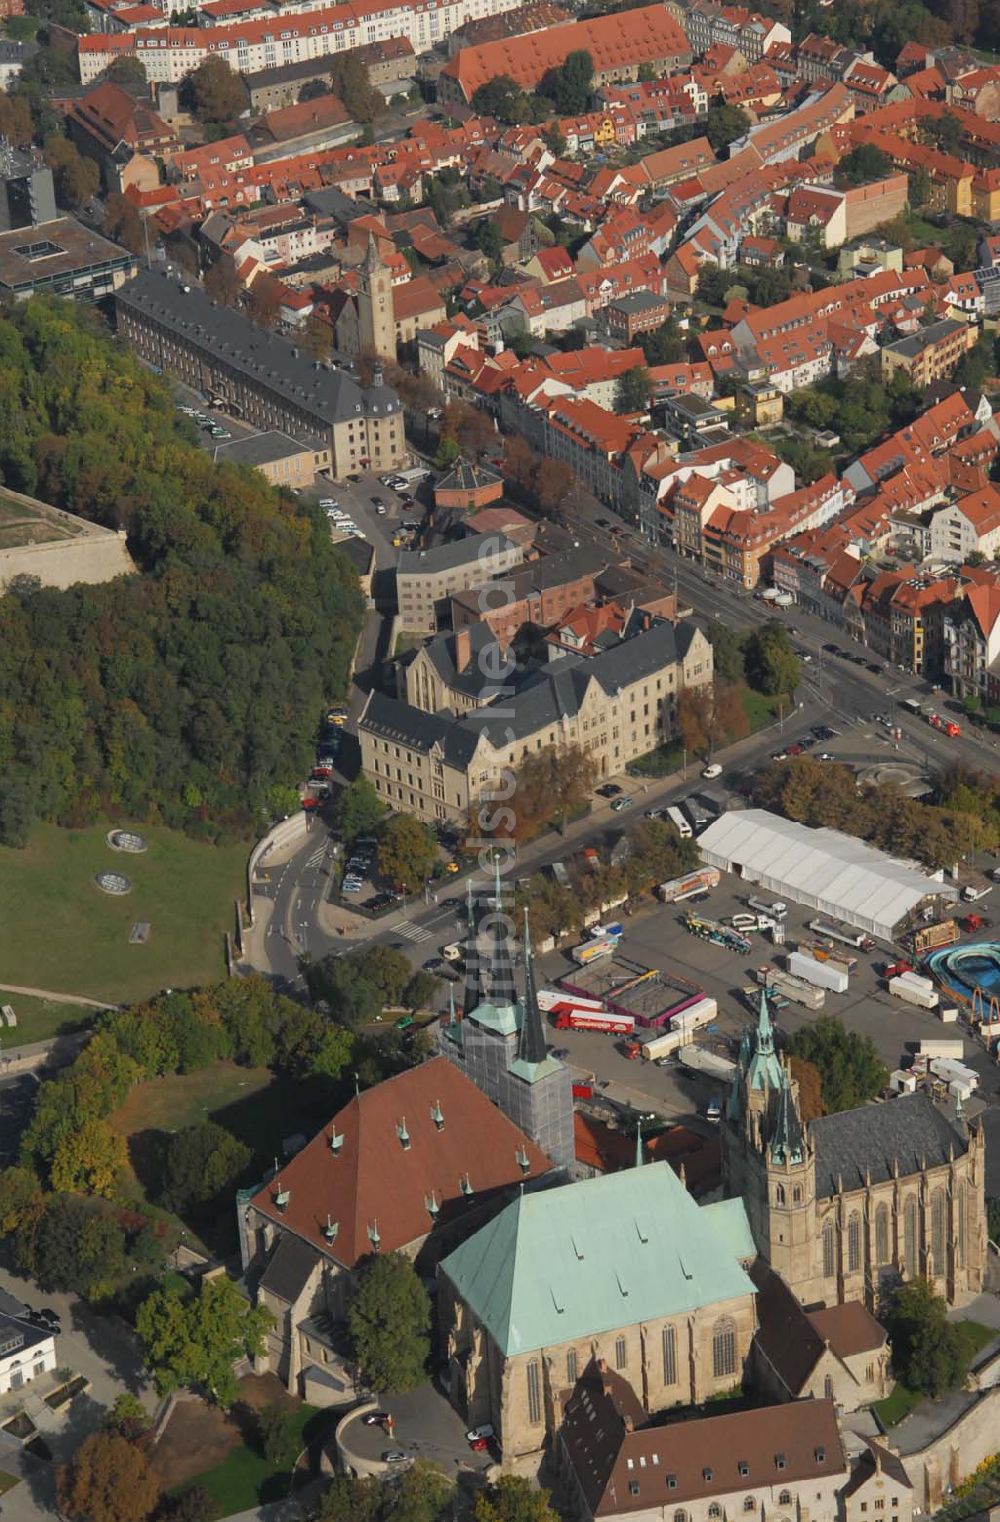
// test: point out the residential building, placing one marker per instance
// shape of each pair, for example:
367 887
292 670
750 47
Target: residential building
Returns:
61 258
284 461
931 353
847 1205
624 1267
617 705
972 644
264 379
468 487
426 580
618 44
772 1461
878 1487
121 135
641 312
540 592
969 526
26 1352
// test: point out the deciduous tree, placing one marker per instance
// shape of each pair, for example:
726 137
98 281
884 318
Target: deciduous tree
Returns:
195 1338
850 1069
358 810
513 1499
222 282
201 1164
927 1350
352 84
77 179
108 1480
214 92
406 852
90 1159
771 664
551 783
633 390
123 222
388 1320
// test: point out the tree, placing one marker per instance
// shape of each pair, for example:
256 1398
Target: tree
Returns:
489 240
551 481
771 664
633 390
727 651
665 345
358 810
351 82
128 1417
928 1354
214 92
90 1159
128 71
945 132
724 124
920 187
72 1246
864 163
278 1436
850 1069
708 715
513 1499
265 301
421 989
195 1504
15 115
407 851
386 968
349 1498
388 1321
810 1087
21 1199
107 1480
123 222
317 337
201 1164
713 284
498 97
551 784
77 179
572 83
195 1338
222 282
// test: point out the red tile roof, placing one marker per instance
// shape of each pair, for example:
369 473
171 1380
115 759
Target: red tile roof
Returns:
374 1182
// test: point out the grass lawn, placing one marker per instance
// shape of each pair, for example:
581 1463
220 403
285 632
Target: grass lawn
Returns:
897 1404
37 1019
62 933
245 1479
186 1099
975 1336
659 762
760 710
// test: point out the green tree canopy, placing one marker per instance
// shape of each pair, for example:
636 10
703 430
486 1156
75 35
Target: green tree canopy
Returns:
771 664
724 124
633 390
195 1338
571 84
388 1320
513 1499
351 82
928 1354
850 1069
358 810
201 1165
863 163
214 92
407 851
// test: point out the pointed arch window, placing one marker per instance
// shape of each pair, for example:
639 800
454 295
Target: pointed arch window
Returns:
724 1349
910 1236
854 1244
882 1234
937 1231
829 1251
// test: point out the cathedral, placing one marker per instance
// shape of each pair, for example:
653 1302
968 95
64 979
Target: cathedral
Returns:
499 1041
846 1207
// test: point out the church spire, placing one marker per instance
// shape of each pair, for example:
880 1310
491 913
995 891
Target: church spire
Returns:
786 1139
473 995
502 992
764 1071
532 1043
765 1030
639 1158
373 259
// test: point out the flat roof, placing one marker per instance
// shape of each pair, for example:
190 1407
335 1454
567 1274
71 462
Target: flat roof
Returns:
62 247
260 449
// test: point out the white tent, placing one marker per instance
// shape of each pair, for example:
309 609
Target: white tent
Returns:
823 869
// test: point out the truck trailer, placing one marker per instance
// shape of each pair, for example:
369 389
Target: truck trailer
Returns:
788 986
950 1071
941 1048
722 935
594 1020
833 930
822 974
679 888
592 950
709 1063
914 989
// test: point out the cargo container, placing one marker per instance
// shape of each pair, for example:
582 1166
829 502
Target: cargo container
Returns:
680 888
594 1020
710 1063
822 974
796 990
953 1048
833 930
914 990
591 951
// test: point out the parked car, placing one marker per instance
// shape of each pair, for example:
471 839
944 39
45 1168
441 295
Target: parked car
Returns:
608 790
372 1418
620 804
393 1456
715 770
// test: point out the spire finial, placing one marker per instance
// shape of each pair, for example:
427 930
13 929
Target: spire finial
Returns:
451 1004
357 1087
765 1030
639 1158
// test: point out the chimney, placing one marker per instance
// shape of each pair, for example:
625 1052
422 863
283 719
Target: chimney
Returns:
463 649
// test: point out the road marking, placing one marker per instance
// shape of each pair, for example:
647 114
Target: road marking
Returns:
413 932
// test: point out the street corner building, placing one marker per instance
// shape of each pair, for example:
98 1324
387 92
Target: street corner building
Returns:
174 325
412 1165
627 1268
847 1206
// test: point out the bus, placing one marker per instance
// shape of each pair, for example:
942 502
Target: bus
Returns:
678 821
911 705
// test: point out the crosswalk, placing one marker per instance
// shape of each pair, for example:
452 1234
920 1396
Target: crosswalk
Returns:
316 857
411 932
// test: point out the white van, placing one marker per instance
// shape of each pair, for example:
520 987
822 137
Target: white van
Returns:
777 910
679 823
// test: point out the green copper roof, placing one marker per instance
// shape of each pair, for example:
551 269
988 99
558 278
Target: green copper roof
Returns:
729 1221
501 1018
764 1071
532 1071
567 1263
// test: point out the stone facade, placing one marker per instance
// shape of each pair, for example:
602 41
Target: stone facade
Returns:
840 1229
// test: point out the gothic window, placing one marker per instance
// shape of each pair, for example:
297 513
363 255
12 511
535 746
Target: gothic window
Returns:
749 1504
854 1243
937 1231
669 1355
882 1234
715 1511
571 1367
724 1349
910 1236
534 1392
797 1195
779 1195
621 1353
785 1498
829 1256
962 1203
828 1387
680 1516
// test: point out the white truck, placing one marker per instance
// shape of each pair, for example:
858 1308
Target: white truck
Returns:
914 989
700 881
954 1049
823 974
699 1060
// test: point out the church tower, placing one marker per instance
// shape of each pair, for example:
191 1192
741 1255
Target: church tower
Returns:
376 319
767 1157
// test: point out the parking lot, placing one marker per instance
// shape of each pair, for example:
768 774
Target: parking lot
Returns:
656 937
